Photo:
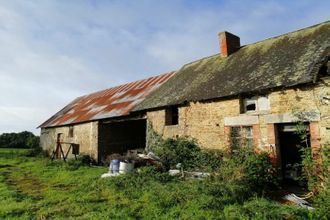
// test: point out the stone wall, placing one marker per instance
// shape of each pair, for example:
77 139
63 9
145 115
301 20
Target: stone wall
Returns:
208 122
202 121
86 135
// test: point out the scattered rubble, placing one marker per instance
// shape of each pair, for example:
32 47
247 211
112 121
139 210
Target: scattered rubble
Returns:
298 201
189 175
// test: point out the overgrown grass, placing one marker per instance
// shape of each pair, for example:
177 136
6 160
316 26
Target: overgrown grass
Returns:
12 152
36 188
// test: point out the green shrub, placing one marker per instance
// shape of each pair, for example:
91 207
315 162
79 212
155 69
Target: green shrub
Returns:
188 153
174 151
259 171
316 173
253 170
322 203
209 160
322 200
151 172
137 179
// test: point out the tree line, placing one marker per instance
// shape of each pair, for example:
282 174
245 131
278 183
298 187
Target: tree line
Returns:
23 139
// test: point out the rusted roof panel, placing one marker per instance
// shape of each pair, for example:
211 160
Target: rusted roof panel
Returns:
112 102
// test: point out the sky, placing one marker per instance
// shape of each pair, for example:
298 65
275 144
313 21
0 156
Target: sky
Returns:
52 51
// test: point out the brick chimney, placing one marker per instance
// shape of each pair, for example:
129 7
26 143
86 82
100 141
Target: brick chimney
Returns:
229 43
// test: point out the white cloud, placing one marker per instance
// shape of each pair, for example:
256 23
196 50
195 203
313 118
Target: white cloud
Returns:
52 51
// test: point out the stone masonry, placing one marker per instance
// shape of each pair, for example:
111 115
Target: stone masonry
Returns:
86 135
206 121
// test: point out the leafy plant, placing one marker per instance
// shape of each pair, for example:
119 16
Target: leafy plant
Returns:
253 170
312 171
188 153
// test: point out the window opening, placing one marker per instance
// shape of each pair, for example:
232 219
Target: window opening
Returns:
71 131
172 116
241 137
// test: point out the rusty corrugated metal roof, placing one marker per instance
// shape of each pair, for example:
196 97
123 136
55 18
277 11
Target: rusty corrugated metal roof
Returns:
112 102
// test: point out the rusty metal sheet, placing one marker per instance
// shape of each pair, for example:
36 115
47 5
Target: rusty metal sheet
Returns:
112 102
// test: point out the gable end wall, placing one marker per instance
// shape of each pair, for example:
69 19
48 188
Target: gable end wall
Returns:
86 135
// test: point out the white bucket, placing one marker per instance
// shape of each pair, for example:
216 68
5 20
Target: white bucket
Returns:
125 167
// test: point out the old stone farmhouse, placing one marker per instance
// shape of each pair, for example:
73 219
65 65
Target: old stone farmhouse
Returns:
243 94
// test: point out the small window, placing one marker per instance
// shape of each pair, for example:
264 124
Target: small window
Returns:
255 103
71 131
241 137
172 116
250 105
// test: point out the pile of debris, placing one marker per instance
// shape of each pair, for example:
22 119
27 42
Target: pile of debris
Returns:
299 201
126 164
179 172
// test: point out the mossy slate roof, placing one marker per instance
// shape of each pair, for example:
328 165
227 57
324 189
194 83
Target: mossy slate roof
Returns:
284 61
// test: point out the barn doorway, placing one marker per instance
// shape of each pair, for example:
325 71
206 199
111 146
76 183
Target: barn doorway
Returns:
290 144
119 137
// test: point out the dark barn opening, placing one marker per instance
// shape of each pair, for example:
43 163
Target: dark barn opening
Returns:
291 147
119 137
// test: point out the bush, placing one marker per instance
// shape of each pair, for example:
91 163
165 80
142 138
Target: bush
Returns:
314 172
137 179
250 169
259 171
174 151
322 200
209 160
188 153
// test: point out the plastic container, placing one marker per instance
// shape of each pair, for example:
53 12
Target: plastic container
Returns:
126 167
114 166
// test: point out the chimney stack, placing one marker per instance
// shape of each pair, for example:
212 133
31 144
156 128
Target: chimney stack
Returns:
229 43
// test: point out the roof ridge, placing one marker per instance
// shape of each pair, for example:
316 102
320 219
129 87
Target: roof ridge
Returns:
288 33
112 102
261 41
124 84
280 61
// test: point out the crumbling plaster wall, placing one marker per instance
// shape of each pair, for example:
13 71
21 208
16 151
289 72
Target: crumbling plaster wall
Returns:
86 135
206 121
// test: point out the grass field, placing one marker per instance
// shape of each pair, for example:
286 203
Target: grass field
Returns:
36 188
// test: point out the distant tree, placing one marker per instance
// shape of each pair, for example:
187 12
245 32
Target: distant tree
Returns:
23 139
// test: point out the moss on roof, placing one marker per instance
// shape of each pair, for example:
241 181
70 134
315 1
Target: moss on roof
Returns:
282 61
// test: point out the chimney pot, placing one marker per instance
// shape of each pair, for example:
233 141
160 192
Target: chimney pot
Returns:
229 43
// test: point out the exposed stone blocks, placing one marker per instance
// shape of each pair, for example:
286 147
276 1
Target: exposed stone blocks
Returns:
315 137
86 135
205 121
201 121
256 136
